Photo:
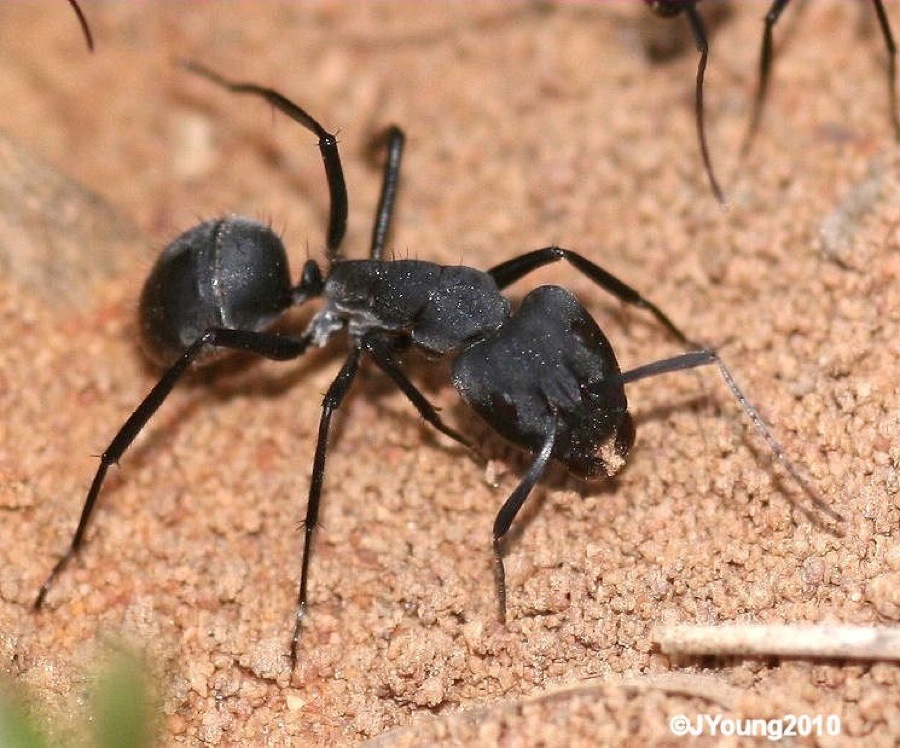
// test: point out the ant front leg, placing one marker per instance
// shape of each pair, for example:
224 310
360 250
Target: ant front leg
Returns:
511 508
331 402
507 273
381 354
267 345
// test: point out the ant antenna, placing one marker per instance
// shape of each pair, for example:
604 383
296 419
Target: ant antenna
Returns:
705 357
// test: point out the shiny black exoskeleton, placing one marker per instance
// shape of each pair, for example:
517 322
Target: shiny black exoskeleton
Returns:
542 374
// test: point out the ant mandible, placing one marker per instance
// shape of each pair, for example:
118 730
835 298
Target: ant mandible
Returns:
542 375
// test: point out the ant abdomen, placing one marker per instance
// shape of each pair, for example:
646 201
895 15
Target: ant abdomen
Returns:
228 272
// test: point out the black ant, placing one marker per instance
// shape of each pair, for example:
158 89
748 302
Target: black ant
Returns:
542 375
672 8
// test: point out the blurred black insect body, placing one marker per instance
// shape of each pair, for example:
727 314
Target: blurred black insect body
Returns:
543 375
673 8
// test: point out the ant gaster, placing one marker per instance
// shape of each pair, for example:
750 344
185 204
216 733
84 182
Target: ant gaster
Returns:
543 375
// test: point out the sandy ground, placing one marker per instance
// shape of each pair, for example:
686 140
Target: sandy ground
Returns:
527 125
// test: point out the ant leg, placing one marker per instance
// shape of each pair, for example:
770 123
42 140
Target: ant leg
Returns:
268 345
765 68
382 356
511 508
85 29
394 138
507 273
892 63
707 357
332 400
702 42
337 188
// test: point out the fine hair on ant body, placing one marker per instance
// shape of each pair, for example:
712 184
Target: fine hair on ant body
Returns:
543 374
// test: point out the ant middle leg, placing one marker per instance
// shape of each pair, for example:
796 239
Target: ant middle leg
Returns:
381 353
507 273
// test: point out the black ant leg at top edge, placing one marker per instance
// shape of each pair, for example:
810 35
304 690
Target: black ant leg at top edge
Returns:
85 28
670 9
507 273
267 345
765 68
334 172
892 64
702 42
